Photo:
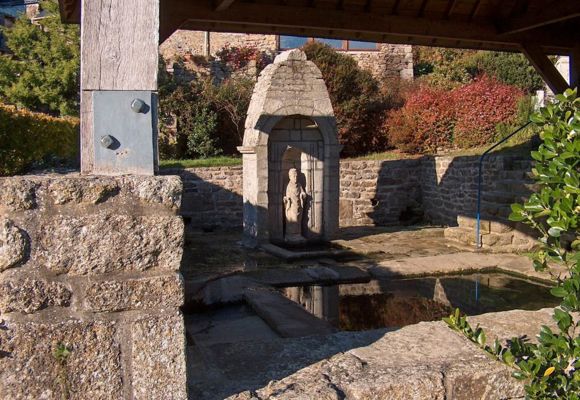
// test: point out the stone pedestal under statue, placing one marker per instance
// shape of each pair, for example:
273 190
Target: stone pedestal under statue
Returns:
290 156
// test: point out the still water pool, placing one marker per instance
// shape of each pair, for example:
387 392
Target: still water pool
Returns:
399 302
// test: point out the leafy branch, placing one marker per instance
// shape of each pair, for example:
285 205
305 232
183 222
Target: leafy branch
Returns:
551 368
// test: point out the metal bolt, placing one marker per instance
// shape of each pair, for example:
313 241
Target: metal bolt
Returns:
107 141
138 106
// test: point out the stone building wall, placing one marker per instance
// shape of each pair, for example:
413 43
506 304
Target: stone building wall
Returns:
391 60
89 288
437 190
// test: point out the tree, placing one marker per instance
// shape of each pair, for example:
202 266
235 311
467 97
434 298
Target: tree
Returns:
42 73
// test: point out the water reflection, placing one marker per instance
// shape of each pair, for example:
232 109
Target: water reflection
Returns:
400 302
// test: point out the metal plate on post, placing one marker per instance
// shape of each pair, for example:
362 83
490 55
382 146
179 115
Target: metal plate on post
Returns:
125 132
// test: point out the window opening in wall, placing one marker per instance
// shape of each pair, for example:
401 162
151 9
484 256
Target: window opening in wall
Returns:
293 42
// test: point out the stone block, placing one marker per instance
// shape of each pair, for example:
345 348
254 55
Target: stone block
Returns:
134 294
14 244
82 190
30 295
101 244
31 368
345 209
500 227
17 194
158 358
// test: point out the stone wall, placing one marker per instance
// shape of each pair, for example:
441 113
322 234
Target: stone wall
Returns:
391 60
89 288
380 192
438 190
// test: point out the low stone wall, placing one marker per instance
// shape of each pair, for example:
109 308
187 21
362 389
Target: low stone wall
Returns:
438 190
89 288
380 192
449 186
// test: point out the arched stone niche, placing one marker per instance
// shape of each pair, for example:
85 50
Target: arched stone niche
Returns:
290 124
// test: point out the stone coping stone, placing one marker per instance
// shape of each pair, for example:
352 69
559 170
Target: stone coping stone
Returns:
45 192
459 263
423 361
290 255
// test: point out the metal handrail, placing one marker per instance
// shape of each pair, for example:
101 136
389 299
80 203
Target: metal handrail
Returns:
479 182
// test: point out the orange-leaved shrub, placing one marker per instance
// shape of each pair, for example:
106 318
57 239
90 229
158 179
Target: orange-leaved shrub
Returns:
28 137
466 116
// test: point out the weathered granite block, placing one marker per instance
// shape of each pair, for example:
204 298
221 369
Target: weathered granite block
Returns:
30 295
17 194
99 244
134 294
14 244
158 358
30 366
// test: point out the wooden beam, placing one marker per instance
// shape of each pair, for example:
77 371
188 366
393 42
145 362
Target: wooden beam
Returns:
545 67
222 5
449 8
365 36
555 12
395 8
248 16
474 9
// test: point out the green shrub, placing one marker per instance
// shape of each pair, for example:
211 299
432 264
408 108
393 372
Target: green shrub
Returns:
185 107
510 68
551 368
201 139
43 72
27 138
357 101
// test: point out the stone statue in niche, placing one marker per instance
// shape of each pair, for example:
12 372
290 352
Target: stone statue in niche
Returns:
294 208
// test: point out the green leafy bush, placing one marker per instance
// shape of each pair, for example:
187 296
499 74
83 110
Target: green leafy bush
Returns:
27 138
551 368
43 72
509 68
356 98
202 118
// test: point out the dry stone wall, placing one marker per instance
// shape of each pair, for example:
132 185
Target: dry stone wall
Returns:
438 190
390 60
90 289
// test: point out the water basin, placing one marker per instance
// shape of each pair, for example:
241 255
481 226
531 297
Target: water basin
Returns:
398 302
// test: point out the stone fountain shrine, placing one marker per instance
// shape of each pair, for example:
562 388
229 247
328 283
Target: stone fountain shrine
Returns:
290 156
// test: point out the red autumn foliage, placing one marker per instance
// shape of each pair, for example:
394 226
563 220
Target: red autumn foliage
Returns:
463 117
424 123
480 106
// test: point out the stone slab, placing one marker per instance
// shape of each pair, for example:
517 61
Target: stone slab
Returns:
290 255
284 316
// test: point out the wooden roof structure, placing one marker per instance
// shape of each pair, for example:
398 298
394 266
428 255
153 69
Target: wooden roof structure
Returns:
502 25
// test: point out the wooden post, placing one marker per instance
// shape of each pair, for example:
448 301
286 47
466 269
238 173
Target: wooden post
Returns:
545 68
119 61
575 67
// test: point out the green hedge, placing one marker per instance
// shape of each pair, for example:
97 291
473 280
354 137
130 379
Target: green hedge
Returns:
28 138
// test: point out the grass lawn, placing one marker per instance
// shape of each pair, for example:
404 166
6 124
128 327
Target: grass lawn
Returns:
222 161
516 145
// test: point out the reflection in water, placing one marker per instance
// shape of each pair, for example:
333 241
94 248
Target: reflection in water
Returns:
400 302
